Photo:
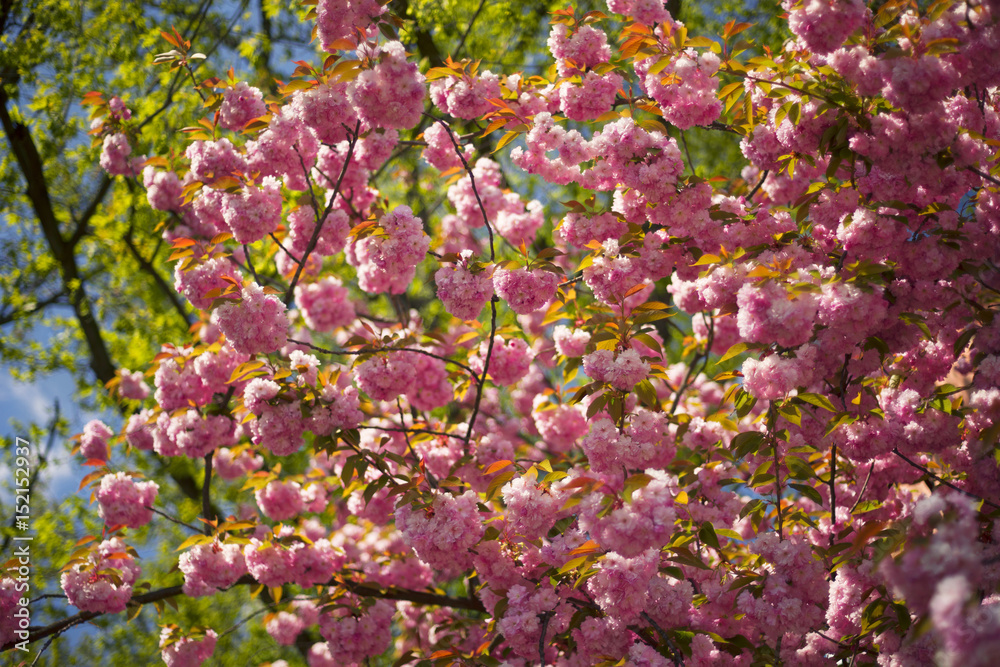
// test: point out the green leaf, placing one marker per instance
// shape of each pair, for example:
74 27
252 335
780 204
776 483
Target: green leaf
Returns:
633 484
809 492
707 535
818 400
734 351
497 483
798 468
746 443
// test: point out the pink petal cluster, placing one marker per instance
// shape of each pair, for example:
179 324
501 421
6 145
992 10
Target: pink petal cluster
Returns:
391 95
209 568
255 325
463 292
138 432
561 426
440 151
774 376
187 651
585 48
768 314
338 19
255 212
201 278
228 465
355 632
240 105
133 385
94 440
579 230
10 619
442 534
284 627
531 510
386 376
689 98
91 586
325 305
570 342
509 360
280 500
620 587
114 155
332 238
823 25
123 501
213 160
163 189
326 109
647 12
622 371
466 97
525 291
388 263
591 99
189 434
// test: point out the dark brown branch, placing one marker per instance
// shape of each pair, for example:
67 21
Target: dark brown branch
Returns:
675 652
940 480
364 590
763 177
321 219
172 519
461 45
387 349
84 616
30 162
88 213
206 493
984 176
414 430
863 488
148 267
38 306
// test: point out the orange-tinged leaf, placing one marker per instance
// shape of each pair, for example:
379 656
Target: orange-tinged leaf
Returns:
497 465
590 546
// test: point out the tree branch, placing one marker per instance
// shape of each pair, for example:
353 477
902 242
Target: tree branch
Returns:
364 590
88 213
940 480
157 278
30 162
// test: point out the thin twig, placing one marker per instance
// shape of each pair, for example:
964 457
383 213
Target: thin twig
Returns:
414 430
763 177
206 491
321 219
571 281
468 29
387 349
287 252
170 518
833 488
895 450
688 153
544 617
983 176
863 487
362 589
675 653
253 272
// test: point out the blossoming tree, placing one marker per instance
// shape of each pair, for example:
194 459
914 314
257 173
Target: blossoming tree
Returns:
688 420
